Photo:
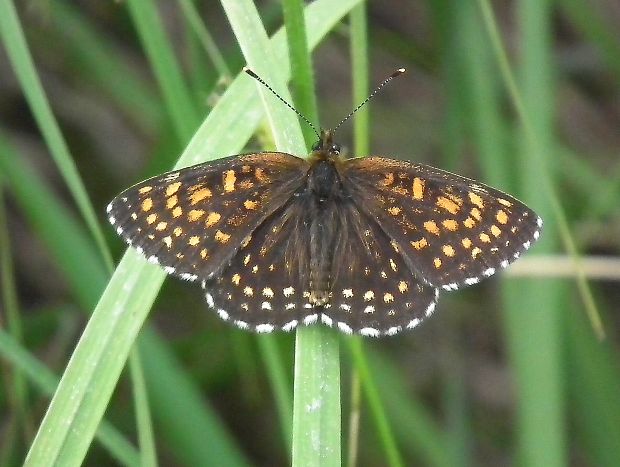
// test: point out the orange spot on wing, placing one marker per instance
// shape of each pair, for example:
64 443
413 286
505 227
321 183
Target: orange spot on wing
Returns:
418 188
501 217
476 199
195 214
431 226
147 204
213 219
448 250
422 243
250 204
199 195
447 204
173 188
229 181
450 224
221 236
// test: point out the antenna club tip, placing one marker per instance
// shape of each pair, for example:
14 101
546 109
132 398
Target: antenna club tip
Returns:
247 70
401 70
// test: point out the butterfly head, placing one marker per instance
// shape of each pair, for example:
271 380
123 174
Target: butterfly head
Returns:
325 148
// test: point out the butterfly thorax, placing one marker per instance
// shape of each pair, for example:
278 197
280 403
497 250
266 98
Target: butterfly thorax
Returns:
323 197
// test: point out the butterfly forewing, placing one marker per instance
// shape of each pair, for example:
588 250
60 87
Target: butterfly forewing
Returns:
192 221
452 231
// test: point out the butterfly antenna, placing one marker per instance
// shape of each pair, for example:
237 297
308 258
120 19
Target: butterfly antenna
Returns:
262 81
396 74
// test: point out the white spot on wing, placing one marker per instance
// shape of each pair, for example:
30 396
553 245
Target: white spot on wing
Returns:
266 306
223 314
171 176
472 280
344 327
169 270
370 332
263 328
413 323
310 319
241 324
210 301
326 320
430 309
290 326
488 272
393 330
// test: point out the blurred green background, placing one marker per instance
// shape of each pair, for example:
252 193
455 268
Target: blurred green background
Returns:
509 372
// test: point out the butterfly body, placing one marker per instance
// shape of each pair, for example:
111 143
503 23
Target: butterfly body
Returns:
362 244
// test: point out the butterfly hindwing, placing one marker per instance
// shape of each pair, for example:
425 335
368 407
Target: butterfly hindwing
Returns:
269 283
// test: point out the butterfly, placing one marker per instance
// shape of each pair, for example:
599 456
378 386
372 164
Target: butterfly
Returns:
361 244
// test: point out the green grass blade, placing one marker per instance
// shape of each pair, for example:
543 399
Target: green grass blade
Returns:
148 453
361 83
595 28
21 60
533 310
538 166
93 371
419 435
358 43
46 381
302 74
197 437
316 406
205 38
371 391
15 383
593 380
280 385
98 59
175 92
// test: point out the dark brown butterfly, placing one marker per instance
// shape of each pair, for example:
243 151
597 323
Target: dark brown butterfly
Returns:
363 244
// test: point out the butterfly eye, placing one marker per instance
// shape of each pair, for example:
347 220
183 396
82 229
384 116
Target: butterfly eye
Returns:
335 149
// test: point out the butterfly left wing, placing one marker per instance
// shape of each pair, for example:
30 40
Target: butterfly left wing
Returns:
452 230
192 221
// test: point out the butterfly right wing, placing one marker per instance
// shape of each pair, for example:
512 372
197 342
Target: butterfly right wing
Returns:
192 221
452 230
